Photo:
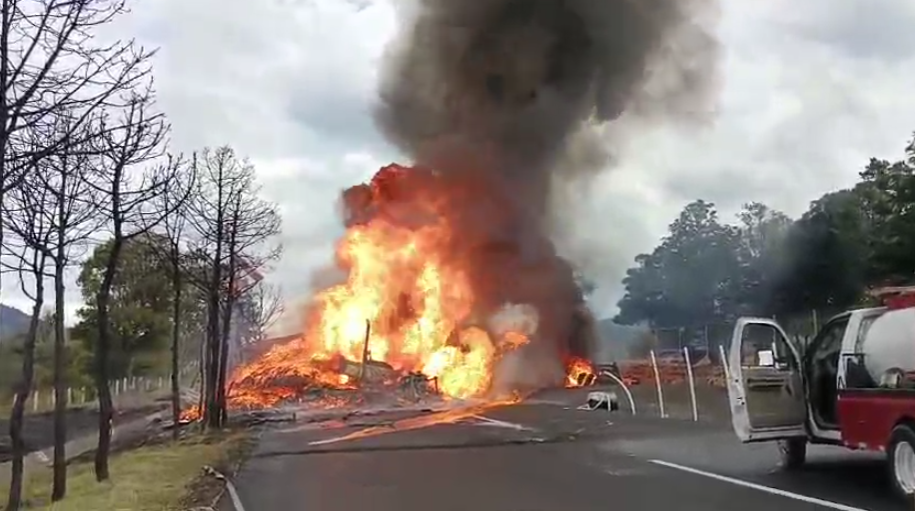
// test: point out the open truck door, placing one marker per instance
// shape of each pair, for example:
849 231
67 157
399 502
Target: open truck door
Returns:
766 386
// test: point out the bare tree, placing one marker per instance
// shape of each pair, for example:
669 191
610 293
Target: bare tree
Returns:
261 309
71 210
50 63
23 214
232 231
172 230
132 172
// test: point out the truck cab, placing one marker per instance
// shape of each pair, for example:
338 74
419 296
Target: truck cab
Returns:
825 392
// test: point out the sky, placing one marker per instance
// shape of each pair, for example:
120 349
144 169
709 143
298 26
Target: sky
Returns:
810 91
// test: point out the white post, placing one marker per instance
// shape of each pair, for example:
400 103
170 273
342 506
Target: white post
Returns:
657 380
159 383
117 387
35 399
692 383
724 364
69 396
622 384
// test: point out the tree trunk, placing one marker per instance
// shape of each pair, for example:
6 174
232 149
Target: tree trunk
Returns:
102 349
176 333
224 358
211 414
231 296
23 391
59 489
211 411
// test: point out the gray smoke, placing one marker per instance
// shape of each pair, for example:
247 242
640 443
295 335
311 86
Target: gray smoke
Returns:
520 89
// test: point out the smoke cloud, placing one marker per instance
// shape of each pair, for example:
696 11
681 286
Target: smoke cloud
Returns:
520 89
526 98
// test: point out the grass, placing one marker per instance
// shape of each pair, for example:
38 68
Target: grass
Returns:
163 477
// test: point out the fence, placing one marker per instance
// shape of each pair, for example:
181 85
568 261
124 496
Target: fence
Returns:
673 384
44 400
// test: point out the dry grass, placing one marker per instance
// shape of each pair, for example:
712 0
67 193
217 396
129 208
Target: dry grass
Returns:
152 478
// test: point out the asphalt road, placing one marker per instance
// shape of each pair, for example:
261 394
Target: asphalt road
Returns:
544 455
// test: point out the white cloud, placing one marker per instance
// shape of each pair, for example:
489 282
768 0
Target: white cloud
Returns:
810 91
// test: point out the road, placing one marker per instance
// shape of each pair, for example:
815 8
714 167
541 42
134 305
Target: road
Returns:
544 455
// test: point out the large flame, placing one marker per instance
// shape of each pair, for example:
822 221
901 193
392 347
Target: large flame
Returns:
408 303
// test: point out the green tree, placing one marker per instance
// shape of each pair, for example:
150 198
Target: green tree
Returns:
887 194
690 278
141 307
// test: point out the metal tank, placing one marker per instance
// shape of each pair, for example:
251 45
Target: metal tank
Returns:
886 348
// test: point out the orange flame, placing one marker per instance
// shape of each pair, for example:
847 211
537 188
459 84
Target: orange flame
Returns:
404 283
580 373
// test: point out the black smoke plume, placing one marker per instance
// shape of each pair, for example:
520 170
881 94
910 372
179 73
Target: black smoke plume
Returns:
519 88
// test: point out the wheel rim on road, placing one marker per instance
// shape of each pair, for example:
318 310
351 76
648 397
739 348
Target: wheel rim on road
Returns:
904 466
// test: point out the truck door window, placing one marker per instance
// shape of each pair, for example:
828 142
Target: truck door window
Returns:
764 346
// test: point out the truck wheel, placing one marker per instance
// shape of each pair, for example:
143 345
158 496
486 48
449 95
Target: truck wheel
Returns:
792 453
901 460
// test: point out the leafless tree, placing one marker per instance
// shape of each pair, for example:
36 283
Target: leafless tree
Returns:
28 251
131 173
71 210
51 62
262 307
233 228
169 248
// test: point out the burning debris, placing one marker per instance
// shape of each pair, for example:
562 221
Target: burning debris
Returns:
451 282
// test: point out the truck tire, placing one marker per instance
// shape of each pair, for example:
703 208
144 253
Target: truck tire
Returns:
900 460
792 453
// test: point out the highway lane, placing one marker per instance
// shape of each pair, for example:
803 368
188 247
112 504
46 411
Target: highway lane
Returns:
548 457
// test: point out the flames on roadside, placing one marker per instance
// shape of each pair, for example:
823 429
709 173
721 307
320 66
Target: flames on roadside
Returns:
427 293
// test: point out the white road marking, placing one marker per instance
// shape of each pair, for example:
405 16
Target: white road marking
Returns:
754 486
502 424
233 493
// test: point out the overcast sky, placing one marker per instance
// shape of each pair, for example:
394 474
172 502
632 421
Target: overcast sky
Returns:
811 90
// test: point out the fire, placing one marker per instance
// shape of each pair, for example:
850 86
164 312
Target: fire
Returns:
407 304
580 373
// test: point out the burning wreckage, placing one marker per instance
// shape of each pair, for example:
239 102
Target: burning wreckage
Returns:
450 282
410 320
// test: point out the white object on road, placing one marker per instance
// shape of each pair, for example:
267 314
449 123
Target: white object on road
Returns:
692 383
754 486
624 386
657 380
598 400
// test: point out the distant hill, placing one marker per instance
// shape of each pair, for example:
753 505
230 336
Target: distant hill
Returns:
12 322
616 340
